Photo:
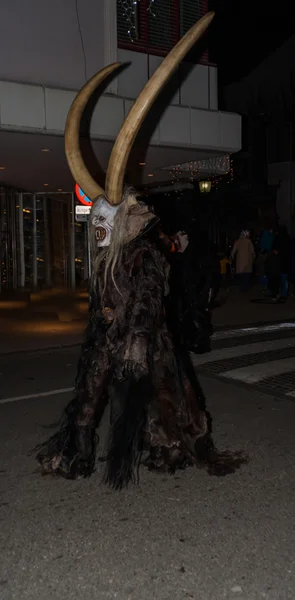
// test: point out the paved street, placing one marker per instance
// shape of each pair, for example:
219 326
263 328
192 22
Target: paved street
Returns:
188 536
260 356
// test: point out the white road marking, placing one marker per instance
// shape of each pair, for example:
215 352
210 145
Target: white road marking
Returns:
244 350
231 333
250 374
255 373
39 395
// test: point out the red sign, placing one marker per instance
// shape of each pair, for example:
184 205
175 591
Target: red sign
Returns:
82 197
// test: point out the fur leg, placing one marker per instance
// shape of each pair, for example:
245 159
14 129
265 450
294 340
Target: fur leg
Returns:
71 451
129 398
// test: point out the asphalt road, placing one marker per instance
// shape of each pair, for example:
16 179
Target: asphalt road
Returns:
170 538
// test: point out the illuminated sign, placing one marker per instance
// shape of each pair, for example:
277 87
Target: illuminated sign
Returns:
82 213
82 210
82 197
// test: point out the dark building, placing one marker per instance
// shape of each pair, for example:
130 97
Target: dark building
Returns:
266 98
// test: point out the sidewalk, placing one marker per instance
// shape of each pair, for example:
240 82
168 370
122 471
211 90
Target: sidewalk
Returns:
55 318
42 320
238 309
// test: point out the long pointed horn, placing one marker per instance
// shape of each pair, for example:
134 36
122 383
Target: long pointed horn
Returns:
139 110
72 144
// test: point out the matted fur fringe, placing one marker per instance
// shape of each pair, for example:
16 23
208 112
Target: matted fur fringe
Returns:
126 437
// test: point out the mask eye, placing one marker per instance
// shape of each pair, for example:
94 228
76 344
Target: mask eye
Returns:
97 220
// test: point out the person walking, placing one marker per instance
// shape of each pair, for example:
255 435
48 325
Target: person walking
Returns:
282 242
291 268
273 271
265 247
192 285
244 255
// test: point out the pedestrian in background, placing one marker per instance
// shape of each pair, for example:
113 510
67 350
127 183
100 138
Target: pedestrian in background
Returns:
243 254
282 242
265 245
291 268
273 272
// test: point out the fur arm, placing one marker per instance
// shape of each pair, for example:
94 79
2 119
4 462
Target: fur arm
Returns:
146 312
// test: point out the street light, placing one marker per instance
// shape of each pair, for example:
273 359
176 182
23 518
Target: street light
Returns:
205 186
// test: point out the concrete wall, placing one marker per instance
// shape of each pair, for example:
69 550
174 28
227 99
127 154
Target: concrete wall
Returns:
40 109
58 43
40 41
49 47
192 85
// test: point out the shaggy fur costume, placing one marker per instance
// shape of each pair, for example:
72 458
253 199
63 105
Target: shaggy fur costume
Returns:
158 412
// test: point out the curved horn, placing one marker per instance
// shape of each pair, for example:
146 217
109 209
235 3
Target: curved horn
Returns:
139 110
72 131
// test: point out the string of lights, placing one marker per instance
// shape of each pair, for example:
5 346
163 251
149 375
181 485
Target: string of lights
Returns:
215 170
130 10
151 8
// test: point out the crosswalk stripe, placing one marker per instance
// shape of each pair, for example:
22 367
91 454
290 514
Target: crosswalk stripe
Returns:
258 372
244 350
38 395
244 331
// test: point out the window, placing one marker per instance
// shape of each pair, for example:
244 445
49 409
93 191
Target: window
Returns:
127 22
155 26
190 12
162 26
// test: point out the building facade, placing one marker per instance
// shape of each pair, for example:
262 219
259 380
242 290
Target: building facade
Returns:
56 47
266 100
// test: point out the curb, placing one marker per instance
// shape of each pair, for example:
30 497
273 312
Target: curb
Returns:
78 343
47 349
253 324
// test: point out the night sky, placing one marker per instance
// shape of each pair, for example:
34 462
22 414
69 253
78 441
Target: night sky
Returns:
244 32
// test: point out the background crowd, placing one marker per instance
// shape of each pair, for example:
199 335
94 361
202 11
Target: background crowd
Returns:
270 258
198 270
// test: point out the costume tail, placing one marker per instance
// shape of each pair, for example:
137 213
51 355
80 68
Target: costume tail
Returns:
129 399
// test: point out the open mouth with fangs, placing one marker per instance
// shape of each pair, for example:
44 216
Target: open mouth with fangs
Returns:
100 234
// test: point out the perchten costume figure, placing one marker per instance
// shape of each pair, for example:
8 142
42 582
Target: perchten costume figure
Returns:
128 359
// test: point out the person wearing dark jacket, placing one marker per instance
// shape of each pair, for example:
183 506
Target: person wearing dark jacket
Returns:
191 289
273 272
291 267
283 244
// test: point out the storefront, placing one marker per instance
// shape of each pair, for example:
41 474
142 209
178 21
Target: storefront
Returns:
41 243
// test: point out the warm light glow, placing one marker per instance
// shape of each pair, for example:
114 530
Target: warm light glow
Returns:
52 328
142 164
12 304
2 168
59 189
150 175
83 308
46 184
205 186
45 150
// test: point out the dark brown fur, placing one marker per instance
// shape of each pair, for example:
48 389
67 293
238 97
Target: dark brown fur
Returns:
156 400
